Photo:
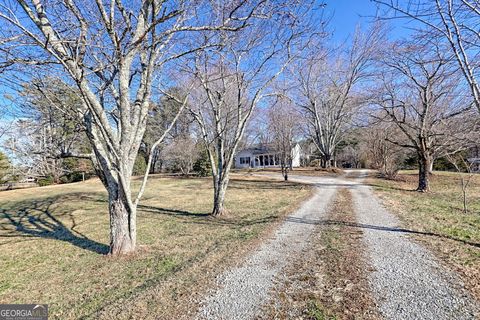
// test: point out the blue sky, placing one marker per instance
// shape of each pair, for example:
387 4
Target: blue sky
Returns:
346 14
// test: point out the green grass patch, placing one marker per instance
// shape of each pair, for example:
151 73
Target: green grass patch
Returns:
315 311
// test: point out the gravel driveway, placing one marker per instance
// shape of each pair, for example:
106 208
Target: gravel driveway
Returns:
242 291
407 280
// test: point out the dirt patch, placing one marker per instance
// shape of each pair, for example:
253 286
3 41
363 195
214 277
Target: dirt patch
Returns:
328 279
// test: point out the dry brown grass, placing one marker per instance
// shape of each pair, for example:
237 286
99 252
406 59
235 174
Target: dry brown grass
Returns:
438 219
328 280
304 171
53 241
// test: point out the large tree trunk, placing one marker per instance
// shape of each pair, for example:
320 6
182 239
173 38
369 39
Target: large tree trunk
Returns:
122 210
219 191
424 165
123 234
327 161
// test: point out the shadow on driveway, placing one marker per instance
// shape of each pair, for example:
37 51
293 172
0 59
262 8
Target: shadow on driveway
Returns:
379 228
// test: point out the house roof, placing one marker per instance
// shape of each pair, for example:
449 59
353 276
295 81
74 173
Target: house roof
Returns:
260 149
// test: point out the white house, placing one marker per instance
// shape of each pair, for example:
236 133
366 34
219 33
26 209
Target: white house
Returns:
264 156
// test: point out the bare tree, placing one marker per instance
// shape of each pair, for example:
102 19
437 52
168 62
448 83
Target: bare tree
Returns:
464 169
284 128
233 79
421 94
453 21
4 166
24 144
379 153
117 54
349 156
55 131
159 119
326 89
182 153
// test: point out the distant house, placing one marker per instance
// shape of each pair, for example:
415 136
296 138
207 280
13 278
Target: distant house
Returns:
264 156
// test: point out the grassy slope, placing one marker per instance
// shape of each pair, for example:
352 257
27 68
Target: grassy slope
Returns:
52 240
438 215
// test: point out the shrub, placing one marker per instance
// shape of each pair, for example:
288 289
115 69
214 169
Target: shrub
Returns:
202 166
140 166
42 182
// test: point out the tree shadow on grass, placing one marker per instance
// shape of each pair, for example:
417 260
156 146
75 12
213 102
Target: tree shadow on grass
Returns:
205 218
171 212
36 219
379 228
387 188
256 184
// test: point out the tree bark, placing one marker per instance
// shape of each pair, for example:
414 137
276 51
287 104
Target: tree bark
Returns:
123 235
327 161
464 194
285 172
430 166
219 191
424 165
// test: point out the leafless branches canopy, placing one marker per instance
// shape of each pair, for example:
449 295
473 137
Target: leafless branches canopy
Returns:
327 88
119 54
235 77
454 22
284 129
421 94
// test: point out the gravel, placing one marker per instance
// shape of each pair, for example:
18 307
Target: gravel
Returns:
408 281
243 290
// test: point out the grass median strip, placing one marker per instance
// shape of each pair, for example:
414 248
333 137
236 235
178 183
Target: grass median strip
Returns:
328 279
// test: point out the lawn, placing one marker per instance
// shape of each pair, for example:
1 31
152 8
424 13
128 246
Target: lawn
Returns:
438 218
53 242
304 171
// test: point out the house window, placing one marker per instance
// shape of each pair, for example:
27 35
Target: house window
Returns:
244 160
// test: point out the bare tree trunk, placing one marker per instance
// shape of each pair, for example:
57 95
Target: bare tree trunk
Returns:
285 172
123 235
430 166
424 165
327 161
219 191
